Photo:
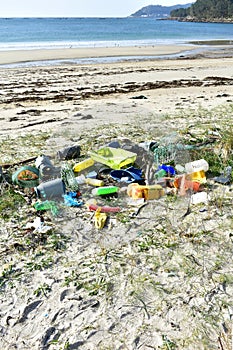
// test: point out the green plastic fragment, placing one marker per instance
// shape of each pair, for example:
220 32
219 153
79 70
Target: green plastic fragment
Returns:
47 205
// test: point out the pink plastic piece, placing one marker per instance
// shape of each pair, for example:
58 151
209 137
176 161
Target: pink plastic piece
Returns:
104 209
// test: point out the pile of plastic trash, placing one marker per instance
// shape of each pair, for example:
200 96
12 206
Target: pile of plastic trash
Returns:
143 172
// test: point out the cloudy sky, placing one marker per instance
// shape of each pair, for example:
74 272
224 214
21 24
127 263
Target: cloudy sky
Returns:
77 8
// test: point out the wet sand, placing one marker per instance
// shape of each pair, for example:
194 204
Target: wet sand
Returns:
15 56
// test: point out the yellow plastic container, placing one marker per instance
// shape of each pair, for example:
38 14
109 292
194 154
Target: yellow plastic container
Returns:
198 176
150 192
115 158
83 165
153 192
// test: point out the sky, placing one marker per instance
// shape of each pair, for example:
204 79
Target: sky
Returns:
77 8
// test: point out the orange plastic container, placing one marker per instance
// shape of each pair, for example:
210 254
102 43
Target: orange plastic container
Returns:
187 184
150 192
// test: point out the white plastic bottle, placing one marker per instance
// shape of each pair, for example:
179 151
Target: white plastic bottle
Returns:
94 182
80 179
197 165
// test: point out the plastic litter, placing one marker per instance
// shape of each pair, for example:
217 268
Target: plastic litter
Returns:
114 144
166 149
80 179
68 153
128 175
71 200
47 205
126 162
53 189
179 168
26 176
83 165
200 197
94 182
225 177
138 210
115 158
45 166
183 185
169 169
100 219
38 226
102 191
164 171
92 174
198 176
144 159
68 177
170 148
149 192
160 174
104 209
197 165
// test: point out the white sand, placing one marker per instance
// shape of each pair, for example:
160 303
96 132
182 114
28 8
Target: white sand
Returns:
14 56
143 282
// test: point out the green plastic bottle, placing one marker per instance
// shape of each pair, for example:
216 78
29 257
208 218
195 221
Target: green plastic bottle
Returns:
160 173
101 191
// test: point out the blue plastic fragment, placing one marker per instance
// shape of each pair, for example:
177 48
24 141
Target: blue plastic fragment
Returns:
71 200
168 168
128 175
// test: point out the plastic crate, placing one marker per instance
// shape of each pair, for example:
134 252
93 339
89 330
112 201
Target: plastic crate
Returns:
115 158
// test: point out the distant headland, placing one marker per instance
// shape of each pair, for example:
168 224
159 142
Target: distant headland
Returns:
220 11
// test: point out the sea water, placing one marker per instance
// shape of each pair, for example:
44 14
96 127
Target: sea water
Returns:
54 33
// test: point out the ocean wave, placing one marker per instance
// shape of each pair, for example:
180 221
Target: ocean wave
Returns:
8 46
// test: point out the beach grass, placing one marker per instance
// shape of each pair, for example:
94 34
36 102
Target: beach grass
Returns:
168 271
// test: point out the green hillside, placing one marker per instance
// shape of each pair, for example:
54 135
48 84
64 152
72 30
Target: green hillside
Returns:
158 11
206 10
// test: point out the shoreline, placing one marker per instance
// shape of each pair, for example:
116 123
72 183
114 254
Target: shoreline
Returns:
188 50
61 96
21 56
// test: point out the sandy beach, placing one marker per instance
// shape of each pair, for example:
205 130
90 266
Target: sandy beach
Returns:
14 56
57 93
161 279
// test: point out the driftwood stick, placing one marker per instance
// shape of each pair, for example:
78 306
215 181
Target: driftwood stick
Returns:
20 162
